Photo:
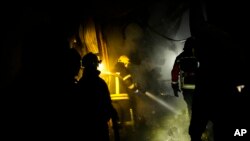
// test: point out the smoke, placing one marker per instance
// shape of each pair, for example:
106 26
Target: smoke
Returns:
155 48
152 49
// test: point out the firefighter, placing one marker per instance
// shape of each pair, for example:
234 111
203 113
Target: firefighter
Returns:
222 54
183 72
127 83
92 117
121 67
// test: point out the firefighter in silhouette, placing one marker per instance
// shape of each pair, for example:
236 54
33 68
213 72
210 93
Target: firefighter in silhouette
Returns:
92 103
127 83
223 57
183 72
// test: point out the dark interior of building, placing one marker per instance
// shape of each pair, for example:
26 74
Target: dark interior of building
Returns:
151 33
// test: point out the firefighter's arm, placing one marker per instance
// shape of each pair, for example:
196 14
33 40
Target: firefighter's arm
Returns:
175 76
130 84
176 89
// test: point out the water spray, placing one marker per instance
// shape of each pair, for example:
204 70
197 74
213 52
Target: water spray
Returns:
163 103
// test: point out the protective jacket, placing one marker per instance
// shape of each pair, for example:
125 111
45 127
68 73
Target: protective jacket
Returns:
126 77
184 69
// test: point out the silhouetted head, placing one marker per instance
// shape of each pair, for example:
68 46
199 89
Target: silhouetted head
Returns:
189 44
90 60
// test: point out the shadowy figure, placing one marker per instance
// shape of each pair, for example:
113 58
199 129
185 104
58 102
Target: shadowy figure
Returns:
219 94
69 70
92 108
183 72
35 95
216 98
71 63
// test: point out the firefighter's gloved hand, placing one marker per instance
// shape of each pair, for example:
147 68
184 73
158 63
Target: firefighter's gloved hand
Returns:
138 92
176 89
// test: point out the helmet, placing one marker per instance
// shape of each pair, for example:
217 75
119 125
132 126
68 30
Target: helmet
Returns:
90 60
124 59
189 43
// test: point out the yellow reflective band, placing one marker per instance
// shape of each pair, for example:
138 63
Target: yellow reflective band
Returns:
126 77
131 86
188 86
121 96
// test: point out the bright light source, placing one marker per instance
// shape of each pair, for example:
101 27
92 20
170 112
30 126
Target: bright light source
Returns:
101 67
240 87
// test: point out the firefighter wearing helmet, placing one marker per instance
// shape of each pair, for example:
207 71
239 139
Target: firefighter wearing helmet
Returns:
183 72
121 67
127 84
91 61
92 87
